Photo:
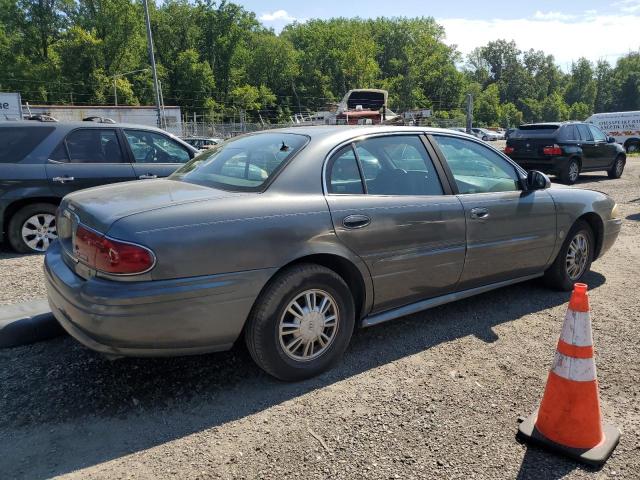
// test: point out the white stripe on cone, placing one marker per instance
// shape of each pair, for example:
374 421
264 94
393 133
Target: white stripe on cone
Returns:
576 329
576 369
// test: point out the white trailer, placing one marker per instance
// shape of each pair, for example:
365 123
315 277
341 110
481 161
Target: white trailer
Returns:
623 126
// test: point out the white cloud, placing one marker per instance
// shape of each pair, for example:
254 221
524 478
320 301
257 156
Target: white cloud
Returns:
628 6
277 16
552 16
592 36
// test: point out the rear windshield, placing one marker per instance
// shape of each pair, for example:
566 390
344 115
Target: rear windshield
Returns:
528 131
17 142
244 164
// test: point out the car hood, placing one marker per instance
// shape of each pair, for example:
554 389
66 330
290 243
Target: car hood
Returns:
100 207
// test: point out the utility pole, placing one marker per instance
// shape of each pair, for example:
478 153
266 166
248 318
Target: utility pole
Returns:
469 112
152 60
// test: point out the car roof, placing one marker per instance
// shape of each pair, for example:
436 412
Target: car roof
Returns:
346 132
77 124
551 124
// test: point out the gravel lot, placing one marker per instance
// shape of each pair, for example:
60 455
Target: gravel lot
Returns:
434 395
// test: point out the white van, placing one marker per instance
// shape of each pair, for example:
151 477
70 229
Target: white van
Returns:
623 126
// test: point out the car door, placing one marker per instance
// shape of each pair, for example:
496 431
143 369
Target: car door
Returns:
390 207
606 152
510 233
590 153
88 157
155 155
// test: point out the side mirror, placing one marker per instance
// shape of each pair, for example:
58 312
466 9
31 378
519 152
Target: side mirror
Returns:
537 180
611 140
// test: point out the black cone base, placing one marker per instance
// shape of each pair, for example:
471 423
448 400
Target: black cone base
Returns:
595 456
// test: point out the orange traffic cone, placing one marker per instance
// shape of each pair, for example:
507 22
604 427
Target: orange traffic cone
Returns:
568 420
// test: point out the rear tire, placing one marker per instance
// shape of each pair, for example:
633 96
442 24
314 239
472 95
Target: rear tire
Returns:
562 273
633 146
32 228
293 333
571 172
618 167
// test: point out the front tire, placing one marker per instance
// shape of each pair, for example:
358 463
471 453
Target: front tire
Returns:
33 228
574 258
571 172
302 323
618 167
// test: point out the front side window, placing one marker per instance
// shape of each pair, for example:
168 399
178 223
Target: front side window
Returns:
242 164
476 168
151 147
92 145
598 136
397 165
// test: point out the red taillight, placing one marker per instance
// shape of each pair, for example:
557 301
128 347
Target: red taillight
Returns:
509 150
110 256
552 150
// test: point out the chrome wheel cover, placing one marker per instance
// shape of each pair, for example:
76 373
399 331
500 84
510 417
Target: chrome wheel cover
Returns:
38 231
619 167
574 171
577 256
309 325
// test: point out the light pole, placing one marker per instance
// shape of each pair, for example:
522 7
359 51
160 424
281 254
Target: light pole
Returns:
152 60
116 76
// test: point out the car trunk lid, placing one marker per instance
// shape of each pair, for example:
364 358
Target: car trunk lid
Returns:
98 208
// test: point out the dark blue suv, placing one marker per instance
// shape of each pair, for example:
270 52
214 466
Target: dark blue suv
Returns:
40 162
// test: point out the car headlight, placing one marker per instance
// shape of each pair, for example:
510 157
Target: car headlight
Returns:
615 211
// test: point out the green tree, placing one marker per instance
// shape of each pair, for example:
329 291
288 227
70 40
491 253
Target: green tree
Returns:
553 108
582 86
579 111
487 106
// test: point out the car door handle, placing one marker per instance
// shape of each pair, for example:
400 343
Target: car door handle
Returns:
147 176
63 179
479 213
356 221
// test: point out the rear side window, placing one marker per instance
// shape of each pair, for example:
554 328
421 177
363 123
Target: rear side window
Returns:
585 135
569 132
18 142
91 145
344 175
397 165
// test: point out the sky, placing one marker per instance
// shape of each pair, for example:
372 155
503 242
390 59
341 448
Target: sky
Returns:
568 30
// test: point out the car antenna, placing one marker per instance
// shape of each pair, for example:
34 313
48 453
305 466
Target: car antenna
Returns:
284 147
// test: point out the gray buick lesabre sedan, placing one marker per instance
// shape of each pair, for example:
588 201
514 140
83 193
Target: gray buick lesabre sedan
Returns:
293 237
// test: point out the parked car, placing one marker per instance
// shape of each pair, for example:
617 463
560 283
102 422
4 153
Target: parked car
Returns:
500 132
41 162
202 143
623 126
349 227
566 149
484 134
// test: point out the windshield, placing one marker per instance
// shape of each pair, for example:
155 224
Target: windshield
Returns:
243 164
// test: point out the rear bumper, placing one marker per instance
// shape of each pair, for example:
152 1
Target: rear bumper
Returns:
552 165
151 318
